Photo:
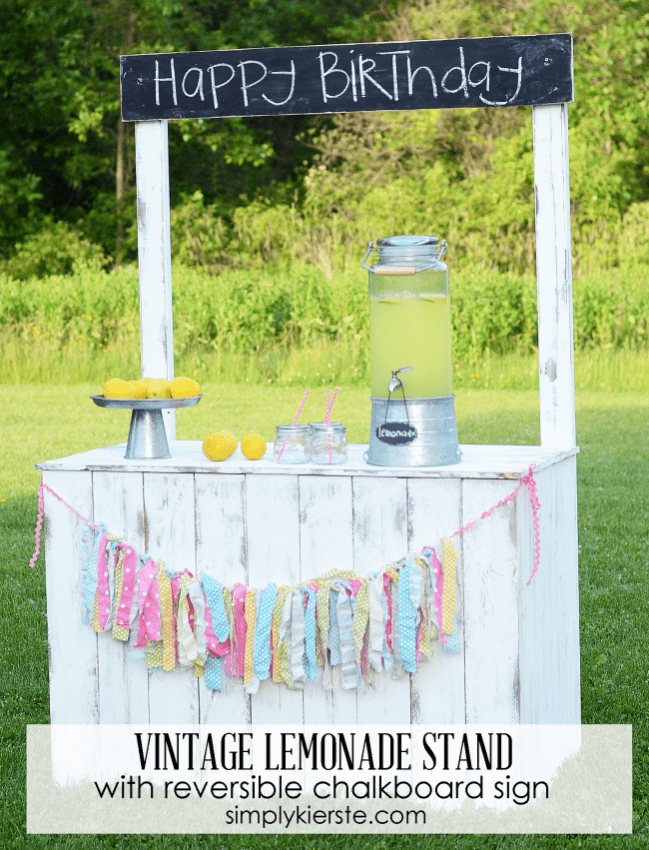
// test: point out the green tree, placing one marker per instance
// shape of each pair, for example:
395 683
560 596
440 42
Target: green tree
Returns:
467 174
64 150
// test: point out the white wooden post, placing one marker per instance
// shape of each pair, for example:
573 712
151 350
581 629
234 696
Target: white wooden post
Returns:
154 254
554 275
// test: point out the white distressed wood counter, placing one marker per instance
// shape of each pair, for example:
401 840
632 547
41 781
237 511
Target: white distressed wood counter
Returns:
257 521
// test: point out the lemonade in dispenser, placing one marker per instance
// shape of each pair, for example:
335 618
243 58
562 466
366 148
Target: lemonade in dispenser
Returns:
413 409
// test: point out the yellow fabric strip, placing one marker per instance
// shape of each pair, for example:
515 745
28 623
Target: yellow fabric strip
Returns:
154 658
119 632
342 574
95 615
167 620
278 609
448 596
249 608
361 616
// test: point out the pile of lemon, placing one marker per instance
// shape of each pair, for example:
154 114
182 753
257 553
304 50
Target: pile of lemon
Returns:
151 388
223 444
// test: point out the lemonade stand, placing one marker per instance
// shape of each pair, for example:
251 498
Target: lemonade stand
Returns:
514 592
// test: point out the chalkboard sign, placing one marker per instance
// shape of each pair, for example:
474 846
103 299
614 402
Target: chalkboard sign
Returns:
469 72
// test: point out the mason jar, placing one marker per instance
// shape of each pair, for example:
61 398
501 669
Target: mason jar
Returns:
291 443
327 443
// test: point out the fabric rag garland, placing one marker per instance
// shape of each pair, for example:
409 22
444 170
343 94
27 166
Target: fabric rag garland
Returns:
388 620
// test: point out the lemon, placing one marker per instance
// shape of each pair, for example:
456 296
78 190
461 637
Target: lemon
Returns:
146 381
158 389
183 387
117 388
253 446
218 446
232 440
139 387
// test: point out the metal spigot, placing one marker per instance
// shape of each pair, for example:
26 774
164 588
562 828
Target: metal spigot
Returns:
395 383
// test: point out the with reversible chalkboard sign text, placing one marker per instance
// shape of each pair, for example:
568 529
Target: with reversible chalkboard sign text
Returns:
469 72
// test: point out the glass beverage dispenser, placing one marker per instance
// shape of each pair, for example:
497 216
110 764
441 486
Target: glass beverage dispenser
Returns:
413 409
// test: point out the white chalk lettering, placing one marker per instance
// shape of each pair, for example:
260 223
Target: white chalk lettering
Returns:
463 82
291 74
351 77
354 88
245 85
389 432
332 69
518 70
485 79
220 85
395 75
365 75
159 79
412 74
199 83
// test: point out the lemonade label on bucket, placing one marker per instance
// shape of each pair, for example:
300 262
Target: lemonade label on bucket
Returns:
396 433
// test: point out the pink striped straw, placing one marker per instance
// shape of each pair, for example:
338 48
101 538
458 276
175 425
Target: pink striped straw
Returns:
299 410
295 418
327 419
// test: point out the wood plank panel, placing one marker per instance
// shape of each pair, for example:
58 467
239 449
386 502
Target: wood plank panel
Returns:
491 604
550 689
221 553
437 689
380 527
171 538
123 689
72 643
326 544
567 575
273 536
535 624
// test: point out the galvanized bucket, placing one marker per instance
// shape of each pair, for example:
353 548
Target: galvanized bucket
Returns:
416 432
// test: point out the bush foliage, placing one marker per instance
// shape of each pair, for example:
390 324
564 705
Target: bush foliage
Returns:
251 312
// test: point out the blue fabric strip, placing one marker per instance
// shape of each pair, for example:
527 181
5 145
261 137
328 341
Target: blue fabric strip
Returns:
310 633
91 572
214 594
213 667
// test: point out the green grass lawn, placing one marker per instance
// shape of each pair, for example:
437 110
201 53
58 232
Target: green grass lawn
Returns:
44 422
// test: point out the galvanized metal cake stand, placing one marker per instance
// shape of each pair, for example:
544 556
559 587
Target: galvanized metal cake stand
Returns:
147 437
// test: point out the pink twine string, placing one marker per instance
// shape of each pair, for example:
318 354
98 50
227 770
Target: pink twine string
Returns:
295 418
527 480
39 522
530 483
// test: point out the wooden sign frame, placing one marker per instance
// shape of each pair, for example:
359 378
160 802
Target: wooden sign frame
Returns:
541 74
